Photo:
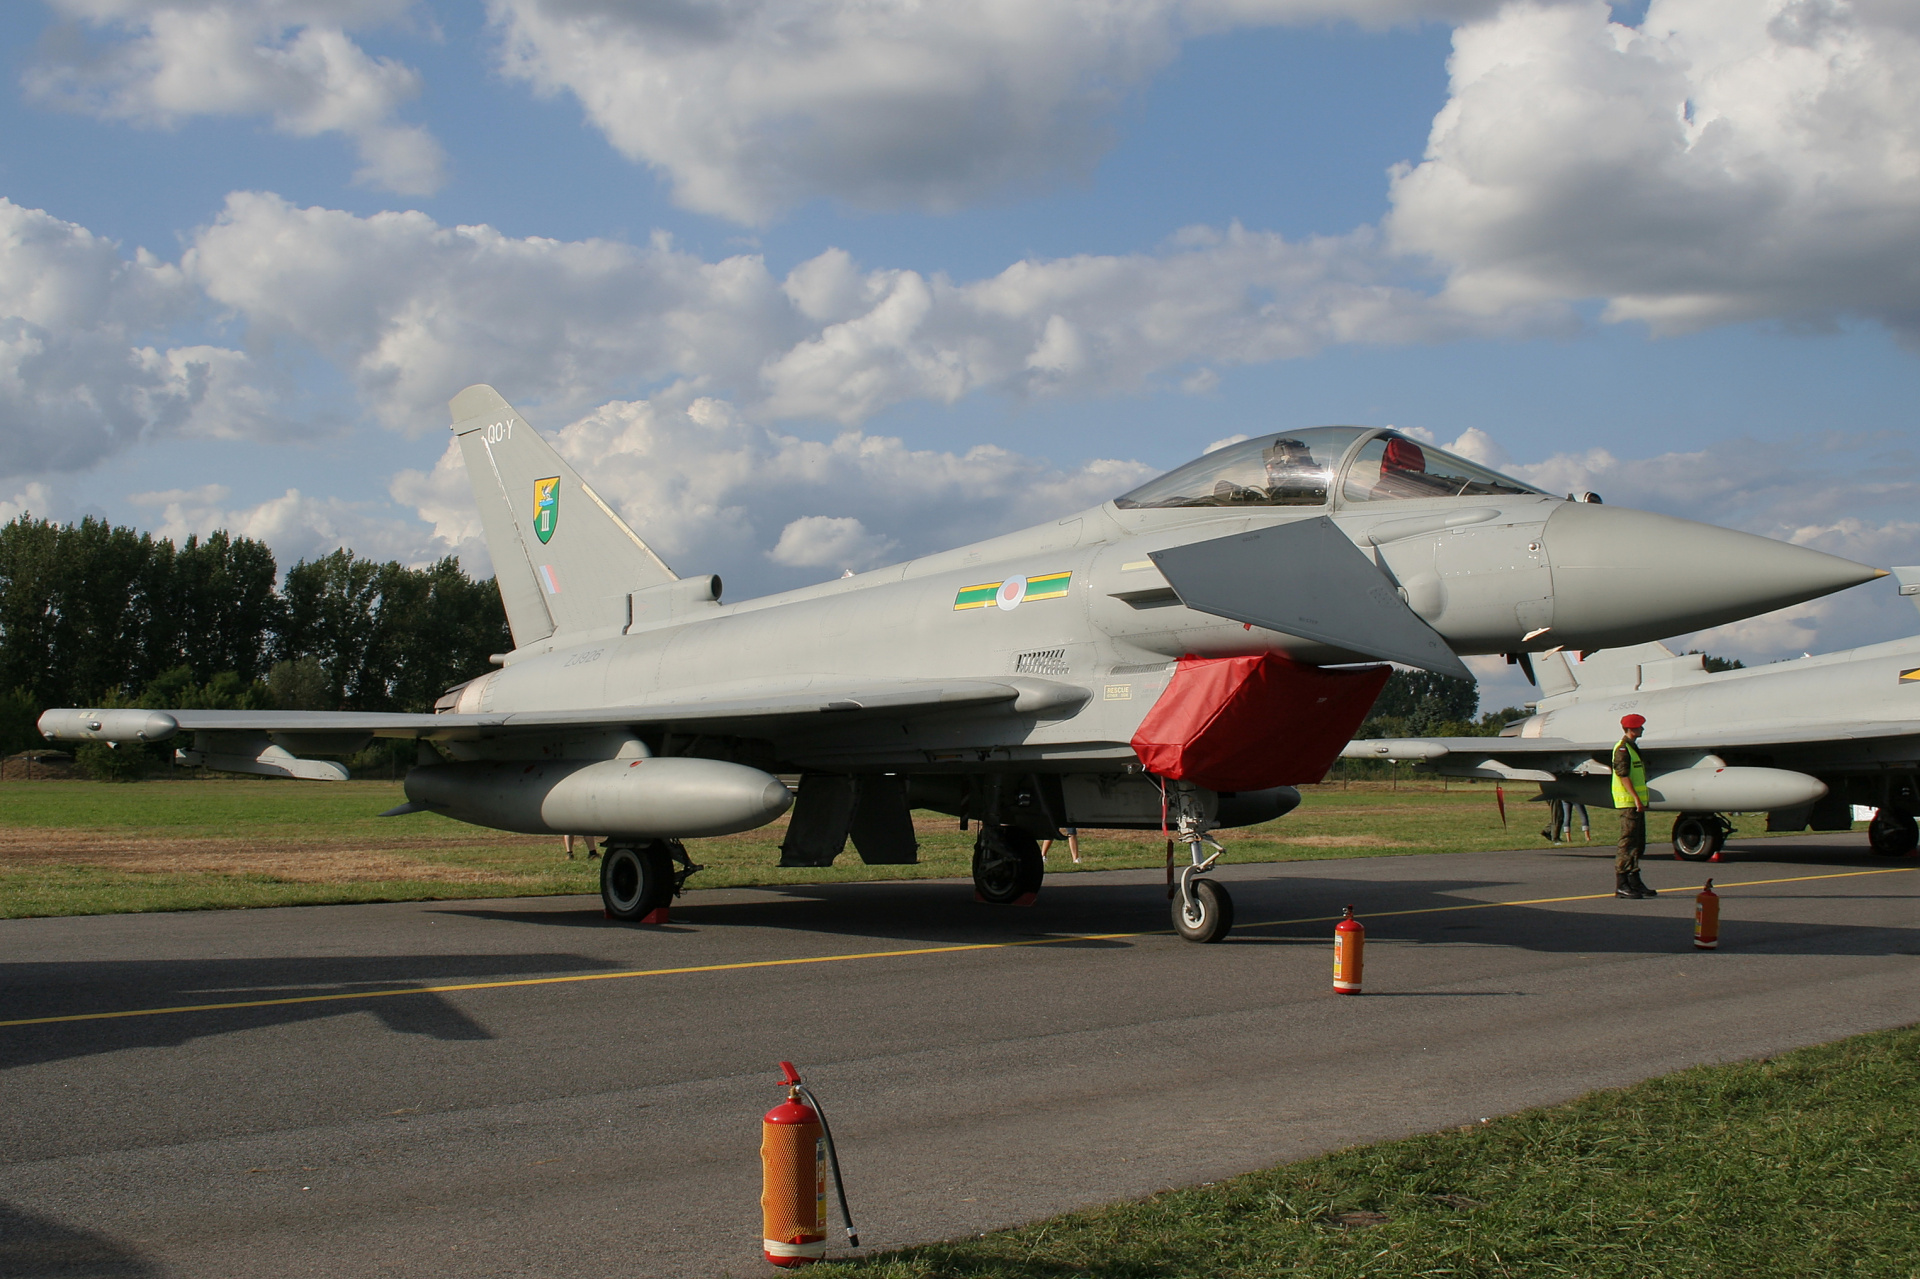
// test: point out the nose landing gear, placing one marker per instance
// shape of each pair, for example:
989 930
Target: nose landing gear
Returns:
1202 909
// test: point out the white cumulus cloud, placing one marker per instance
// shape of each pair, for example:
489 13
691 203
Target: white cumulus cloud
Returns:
712 491
752 106
1720 162
413 310
829 541
82 374
34 499
158 62
297 526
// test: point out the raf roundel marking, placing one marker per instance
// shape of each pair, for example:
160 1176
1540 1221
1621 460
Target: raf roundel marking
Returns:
1013 592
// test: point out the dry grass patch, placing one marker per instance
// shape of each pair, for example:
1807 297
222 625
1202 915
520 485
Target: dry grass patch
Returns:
293 860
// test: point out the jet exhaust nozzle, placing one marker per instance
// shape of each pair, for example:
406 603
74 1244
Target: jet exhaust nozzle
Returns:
673 798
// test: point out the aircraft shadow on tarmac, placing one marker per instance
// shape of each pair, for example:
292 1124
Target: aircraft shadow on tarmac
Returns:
1782 852
66 988
34 1247
936 913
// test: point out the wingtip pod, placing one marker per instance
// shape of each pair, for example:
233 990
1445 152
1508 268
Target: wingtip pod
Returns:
1392 748
125 725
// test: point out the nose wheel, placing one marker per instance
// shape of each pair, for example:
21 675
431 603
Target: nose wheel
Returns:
1202 909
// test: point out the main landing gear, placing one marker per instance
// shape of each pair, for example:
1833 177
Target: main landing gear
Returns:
1007 866
637 879
1698 836
1893 833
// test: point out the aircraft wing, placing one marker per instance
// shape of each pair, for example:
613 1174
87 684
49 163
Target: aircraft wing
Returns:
761 707
1522 756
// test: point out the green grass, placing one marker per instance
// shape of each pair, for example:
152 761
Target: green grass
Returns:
71 848
1806 1165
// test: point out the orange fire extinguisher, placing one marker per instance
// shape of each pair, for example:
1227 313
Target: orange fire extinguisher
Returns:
796 1150
1349 950
1706 919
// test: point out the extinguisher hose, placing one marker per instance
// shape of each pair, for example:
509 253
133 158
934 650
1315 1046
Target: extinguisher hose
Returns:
833 1161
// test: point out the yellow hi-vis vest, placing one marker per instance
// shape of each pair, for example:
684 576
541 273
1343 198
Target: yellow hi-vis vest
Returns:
1622 797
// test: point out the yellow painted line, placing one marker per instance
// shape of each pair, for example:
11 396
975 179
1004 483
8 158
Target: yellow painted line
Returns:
289 1000
1585 897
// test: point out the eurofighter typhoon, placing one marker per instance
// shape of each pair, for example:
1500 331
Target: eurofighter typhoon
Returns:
1803 741
1177 658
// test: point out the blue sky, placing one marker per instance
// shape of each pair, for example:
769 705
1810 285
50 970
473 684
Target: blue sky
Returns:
806 285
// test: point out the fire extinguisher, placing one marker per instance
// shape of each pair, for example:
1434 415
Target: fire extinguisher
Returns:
796 1150
1706 919
1349 950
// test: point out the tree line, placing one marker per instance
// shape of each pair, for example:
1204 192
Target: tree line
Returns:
98 614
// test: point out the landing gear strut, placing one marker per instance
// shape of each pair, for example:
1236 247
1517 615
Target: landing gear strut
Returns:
1007 866
638 879
1202 909
1892 833
1698 836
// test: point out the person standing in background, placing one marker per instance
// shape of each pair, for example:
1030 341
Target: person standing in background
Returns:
1630 797
1073 844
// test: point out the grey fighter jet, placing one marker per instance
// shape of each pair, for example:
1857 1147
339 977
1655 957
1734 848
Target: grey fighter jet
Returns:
1804 741
1176 658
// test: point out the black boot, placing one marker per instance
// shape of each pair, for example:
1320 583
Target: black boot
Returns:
1622 887
1639 885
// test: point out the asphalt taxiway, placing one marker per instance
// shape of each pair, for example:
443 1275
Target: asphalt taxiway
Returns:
520 1087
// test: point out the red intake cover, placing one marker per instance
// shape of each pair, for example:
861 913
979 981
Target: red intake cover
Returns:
1247 723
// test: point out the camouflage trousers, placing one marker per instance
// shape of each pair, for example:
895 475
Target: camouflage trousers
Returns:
1633 841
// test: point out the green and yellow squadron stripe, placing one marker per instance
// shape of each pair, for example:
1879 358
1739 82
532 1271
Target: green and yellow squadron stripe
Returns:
1910 676
1050 587
1047 586
976 596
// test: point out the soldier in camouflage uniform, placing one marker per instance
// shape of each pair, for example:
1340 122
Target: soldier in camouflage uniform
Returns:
1630 797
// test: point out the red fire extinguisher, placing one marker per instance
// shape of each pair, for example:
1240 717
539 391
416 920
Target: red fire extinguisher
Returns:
796 1150
1349 950
1706 919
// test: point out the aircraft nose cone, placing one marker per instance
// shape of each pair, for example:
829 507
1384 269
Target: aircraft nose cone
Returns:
1622 576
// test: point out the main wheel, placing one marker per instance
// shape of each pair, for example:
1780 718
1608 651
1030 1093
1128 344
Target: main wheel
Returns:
1006 865
635 880
1697 836
1893 833
1210 918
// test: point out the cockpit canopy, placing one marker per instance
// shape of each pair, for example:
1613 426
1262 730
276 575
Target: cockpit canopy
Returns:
1303 468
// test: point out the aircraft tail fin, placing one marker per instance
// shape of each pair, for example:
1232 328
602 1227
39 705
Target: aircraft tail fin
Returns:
563 560
1616 667
1909 579
1554 673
